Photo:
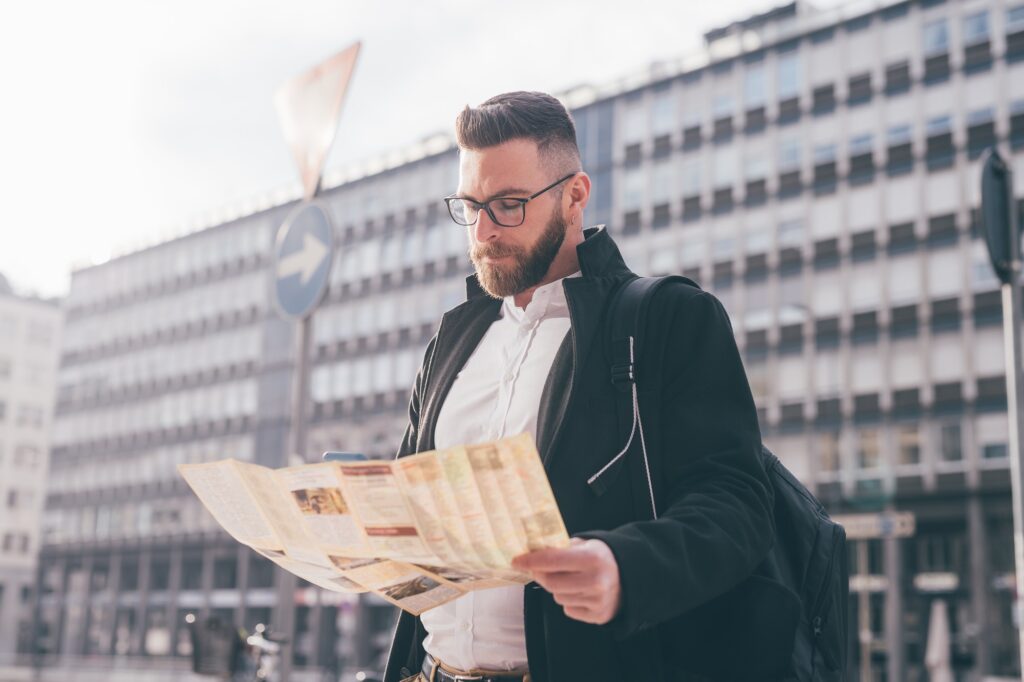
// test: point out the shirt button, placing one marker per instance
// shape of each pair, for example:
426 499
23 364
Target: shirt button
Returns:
467 626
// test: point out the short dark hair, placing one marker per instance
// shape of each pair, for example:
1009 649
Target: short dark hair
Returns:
533 116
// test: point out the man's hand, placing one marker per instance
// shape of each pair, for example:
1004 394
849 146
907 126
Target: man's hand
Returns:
583 578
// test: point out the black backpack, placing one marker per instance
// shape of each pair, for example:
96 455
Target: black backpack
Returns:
808 558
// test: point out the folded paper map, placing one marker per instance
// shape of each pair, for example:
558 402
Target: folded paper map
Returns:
419 531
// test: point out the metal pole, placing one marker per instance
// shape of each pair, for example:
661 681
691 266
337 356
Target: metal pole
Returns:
1015 401
284 619
864 612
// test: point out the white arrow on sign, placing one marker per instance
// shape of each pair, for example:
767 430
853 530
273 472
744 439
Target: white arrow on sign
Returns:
305 261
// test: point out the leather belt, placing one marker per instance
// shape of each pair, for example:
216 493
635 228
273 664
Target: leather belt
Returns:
434 672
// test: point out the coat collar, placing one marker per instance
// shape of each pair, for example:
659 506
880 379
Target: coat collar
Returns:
463 327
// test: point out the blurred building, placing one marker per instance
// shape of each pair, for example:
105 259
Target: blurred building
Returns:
29 349
818 171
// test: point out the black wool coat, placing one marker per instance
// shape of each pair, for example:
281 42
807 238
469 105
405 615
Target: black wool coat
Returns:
700 424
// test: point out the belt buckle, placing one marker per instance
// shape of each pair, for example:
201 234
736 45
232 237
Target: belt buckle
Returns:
465 678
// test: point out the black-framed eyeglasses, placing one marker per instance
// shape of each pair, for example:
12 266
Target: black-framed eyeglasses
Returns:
503 211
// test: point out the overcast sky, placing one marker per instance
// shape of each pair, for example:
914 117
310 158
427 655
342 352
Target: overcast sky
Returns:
122 121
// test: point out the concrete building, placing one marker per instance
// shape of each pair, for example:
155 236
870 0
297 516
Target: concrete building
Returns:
818 171
29 349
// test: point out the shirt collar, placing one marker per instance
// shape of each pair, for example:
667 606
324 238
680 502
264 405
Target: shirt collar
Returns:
547 301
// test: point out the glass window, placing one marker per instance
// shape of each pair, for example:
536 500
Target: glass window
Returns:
908 440
389 253
951 442
341 381
754 86
824 153
362 372
983 277
364 318
792 298
383 375
976 28
632 189
691 177
634 122
692 251
1015 19
661 183
861 144
827 369
938 125
868 449
411 244
663 260
791 233
936 37
789 153
663 113
756 166
992 436
386 310
759 239
405 369
721 105
898 134
433 247
725 167
723 248
788 75
320 386
827 450
980 116
757 313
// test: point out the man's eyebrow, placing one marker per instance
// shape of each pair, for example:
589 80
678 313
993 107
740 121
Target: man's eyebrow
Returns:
504 192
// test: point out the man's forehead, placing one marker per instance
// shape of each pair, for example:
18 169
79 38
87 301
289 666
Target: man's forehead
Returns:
514 164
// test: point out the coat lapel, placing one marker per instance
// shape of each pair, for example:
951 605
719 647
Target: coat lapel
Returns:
460 333
586 298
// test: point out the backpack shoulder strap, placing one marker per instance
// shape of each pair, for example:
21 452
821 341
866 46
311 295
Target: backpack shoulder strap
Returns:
625 318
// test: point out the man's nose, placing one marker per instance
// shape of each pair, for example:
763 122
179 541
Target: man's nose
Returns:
485 229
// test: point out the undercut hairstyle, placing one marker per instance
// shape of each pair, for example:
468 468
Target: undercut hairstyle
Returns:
535 116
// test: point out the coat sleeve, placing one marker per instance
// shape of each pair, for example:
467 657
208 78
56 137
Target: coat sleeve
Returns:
715 523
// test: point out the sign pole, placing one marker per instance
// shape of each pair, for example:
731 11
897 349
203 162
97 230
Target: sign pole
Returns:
999 217
309 106
287 583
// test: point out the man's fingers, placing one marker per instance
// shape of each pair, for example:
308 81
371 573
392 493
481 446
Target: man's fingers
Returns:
565 599
554 559
563 581
584 614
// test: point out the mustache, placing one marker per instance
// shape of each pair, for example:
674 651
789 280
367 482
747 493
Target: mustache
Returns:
493 251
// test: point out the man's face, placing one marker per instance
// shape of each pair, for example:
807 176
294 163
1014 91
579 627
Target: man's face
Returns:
509 260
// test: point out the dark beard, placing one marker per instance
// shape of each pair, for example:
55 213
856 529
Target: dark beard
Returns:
527 268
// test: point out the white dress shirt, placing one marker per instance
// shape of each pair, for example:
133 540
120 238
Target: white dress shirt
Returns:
497 394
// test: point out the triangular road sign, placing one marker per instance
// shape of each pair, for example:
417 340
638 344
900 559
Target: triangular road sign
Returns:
308 106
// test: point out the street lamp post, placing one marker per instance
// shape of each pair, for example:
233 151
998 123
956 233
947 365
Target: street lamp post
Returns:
999 218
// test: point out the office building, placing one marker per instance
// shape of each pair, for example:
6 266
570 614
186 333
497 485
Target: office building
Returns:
30 331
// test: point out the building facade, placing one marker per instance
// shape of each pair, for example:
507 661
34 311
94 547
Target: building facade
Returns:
30 331
817 171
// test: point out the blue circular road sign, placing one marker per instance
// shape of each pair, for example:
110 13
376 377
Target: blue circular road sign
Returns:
302 260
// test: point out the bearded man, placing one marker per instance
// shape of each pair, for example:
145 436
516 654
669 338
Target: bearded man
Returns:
525 353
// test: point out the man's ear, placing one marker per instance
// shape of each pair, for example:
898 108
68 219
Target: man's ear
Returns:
579 193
